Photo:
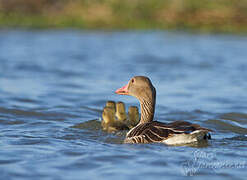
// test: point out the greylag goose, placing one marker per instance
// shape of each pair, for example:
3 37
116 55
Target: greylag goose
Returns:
147 130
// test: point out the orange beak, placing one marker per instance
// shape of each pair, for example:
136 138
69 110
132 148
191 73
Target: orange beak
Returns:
123 90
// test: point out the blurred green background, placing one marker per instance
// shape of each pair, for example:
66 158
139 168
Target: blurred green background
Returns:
228 16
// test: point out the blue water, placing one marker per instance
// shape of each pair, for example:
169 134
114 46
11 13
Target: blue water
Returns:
54 84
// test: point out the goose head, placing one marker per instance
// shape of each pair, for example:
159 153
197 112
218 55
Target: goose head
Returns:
142 88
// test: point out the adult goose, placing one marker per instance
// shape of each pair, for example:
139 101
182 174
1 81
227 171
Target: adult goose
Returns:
147 130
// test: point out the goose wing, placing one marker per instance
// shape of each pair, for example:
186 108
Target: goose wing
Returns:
156 131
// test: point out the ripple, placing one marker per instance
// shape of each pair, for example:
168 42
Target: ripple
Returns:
30 141
237 117
54 84
89 125
112 158
11 122
228 126
80 164
35 114
12 161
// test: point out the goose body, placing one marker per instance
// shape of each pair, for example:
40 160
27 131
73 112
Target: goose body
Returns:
178 132
149 131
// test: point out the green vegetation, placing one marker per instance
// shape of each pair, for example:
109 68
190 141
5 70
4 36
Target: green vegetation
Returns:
228 16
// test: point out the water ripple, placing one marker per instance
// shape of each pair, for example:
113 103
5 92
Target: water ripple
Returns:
54 85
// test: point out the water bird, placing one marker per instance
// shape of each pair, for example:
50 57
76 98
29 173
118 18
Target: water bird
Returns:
133 116
149 131
120 112
109 122
114 117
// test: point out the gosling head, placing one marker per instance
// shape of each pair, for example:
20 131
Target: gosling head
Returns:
111 104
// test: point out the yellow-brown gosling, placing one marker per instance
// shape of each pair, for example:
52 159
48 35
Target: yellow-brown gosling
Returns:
147 130
108 119
133 116
109 122
120 112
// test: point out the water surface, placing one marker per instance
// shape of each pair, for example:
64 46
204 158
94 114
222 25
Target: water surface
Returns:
54 84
